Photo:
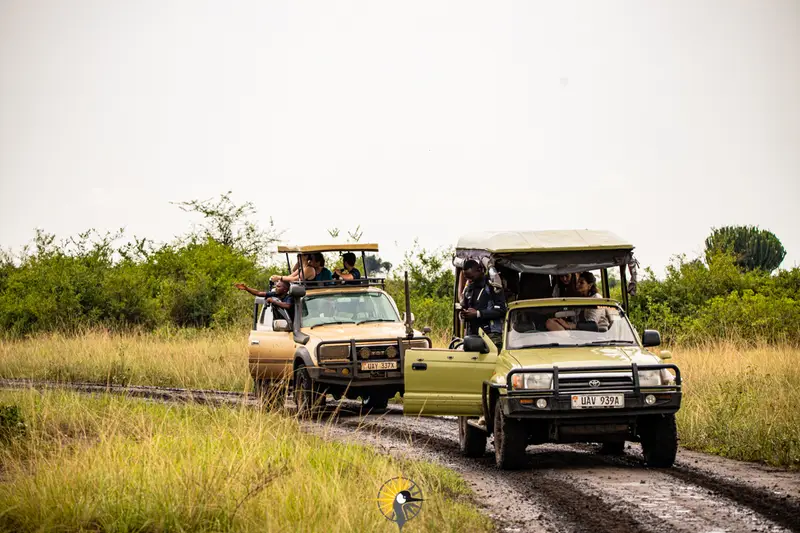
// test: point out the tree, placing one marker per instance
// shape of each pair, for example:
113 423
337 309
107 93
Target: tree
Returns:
230 225
751 247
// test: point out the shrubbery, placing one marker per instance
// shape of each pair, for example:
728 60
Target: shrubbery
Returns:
91 281
699 302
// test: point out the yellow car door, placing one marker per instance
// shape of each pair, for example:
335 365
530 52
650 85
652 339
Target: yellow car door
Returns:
270 352
446 382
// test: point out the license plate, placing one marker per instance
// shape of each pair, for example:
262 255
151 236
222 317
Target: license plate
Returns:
379 365
598 401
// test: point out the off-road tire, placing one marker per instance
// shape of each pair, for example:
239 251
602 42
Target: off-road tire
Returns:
305 396
270 393
471 440
510 441
612 448
659 435
374 402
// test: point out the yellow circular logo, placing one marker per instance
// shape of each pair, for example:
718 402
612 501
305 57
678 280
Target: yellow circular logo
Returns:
400 500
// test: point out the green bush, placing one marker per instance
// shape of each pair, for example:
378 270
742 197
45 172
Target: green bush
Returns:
699 302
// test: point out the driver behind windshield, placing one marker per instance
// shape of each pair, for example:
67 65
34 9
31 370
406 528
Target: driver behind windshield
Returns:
482 306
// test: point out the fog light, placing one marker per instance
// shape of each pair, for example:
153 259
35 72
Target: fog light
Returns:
541 403
345 371
391 352
649 399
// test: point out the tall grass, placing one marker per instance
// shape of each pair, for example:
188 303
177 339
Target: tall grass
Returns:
115 464
183 358
742 402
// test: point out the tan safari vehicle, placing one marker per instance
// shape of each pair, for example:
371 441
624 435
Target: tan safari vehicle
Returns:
348 338
571 369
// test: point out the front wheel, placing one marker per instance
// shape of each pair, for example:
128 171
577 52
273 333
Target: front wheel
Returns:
374 402
471 440
305 396
510 441
659 435
612 448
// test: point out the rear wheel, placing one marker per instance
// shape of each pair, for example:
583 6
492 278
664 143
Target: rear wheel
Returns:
510 441
613 448
659 435
270 393
471 440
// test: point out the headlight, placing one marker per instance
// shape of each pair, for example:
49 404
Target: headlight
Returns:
649 378
334 352
535 380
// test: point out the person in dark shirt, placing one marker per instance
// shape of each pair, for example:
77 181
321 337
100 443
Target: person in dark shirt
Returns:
318 262
279 298
482 306
349 273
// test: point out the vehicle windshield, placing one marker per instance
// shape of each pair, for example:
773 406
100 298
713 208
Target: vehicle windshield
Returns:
347 308
584 325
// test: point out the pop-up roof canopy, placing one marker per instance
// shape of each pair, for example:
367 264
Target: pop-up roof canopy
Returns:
350 247
542 241
547 252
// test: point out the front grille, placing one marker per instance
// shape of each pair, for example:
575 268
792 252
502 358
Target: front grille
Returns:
568 383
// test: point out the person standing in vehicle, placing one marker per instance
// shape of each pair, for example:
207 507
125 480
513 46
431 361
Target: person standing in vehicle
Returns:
317 261
349 272
308 271
279 298
482 306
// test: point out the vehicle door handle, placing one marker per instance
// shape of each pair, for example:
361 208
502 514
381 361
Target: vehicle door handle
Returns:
474 357
254 342
419 366
449 356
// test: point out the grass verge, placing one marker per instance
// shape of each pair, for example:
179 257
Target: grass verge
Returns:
185 359
742 402
117 464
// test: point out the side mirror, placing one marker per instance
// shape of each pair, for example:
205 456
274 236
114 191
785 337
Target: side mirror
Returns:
651 337
473 343
279 324
426 330
296 290
412 317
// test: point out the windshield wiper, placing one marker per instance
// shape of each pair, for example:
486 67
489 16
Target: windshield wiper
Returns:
328 324
548 345
376 320
599 343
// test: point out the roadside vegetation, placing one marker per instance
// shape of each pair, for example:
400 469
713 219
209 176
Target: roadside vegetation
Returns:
741 401
72 462
96 308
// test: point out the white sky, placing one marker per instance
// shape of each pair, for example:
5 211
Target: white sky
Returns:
656 120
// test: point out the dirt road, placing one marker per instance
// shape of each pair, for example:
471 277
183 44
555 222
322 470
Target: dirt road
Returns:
565 488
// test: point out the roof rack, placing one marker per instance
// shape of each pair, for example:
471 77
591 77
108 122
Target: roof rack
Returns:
340 283
346 247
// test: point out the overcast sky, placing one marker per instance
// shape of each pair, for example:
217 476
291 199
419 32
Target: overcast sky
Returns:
656 120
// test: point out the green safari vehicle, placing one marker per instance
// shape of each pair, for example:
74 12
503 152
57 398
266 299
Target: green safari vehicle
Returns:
592 381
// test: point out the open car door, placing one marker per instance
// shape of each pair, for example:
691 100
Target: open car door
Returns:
446 382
